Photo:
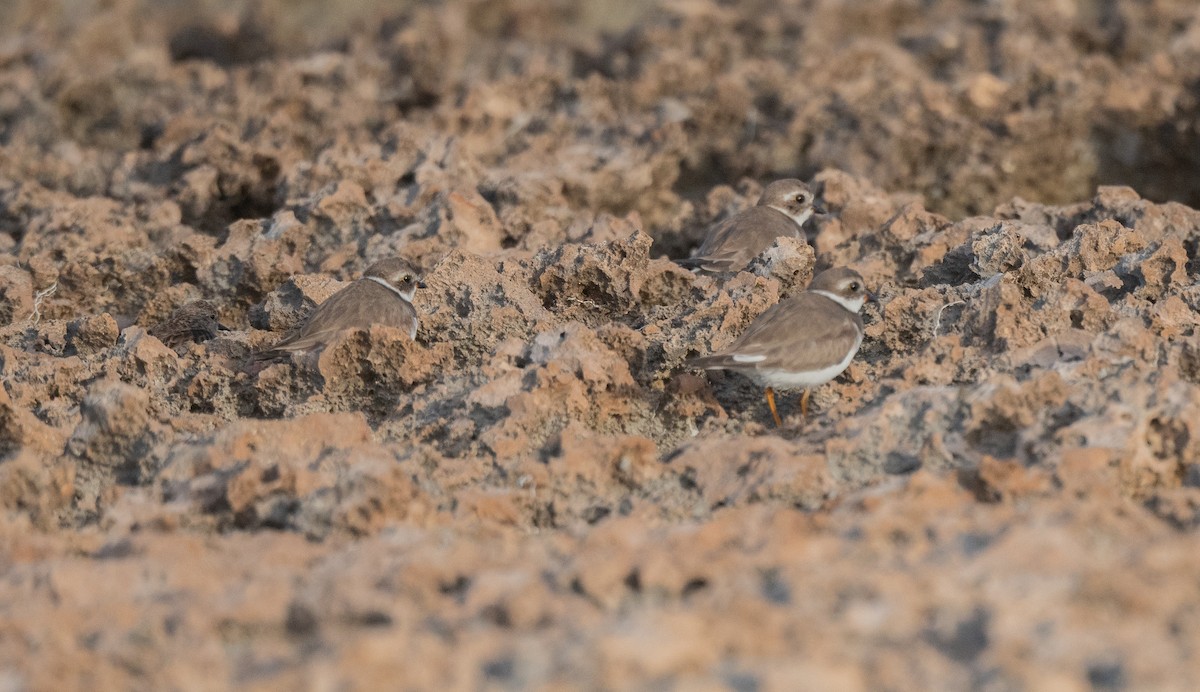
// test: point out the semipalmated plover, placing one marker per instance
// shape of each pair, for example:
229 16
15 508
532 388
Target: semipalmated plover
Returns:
196 321
801 342
730 245
382 296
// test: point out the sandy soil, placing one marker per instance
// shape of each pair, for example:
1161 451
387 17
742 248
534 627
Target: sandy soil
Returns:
1001 493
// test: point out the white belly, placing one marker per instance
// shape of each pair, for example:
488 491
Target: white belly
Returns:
781 379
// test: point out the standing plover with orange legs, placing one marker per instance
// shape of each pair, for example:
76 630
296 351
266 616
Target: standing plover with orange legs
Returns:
801 342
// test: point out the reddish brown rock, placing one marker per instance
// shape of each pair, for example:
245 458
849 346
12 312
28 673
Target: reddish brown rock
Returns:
16 294
89 335
1001 491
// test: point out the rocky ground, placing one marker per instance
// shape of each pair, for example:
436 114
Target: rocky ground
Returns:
1001 493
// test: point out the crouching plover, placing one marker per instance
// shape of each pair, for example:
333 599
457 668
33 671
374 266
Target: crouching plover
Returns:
382 296
196 321
802 342
730 245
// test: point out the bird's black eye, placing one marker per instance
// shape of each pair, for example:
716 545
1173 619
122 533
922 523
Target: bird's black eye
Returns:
854 286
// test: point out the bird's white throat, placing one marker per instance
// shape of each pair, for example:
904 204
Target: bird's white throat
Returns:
406 296
798 218
853 305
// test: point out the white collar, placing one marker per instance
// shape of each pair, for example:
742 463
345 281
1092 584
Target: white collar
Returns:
406 298
798 219
851 305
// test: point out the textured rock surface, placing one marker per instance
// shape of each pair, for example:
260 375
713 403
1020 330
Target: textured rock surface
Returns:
1001 492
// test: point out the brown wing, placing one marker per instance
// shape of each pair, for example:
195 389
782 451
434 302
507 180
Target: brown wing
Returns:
807 332
357 306
178 333
196 321
731 244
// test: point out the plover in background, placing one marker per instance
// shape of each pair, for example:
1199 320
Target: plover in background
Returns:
382 296
730 245
801 342
195 321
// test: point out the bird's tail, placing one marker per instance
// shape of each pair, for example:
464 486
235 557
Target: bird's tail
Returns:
269 354
707 362
712 265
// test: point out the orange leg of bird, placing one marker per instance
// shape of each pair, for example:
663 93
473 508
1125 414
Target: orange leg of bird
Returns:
804 403
771 403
